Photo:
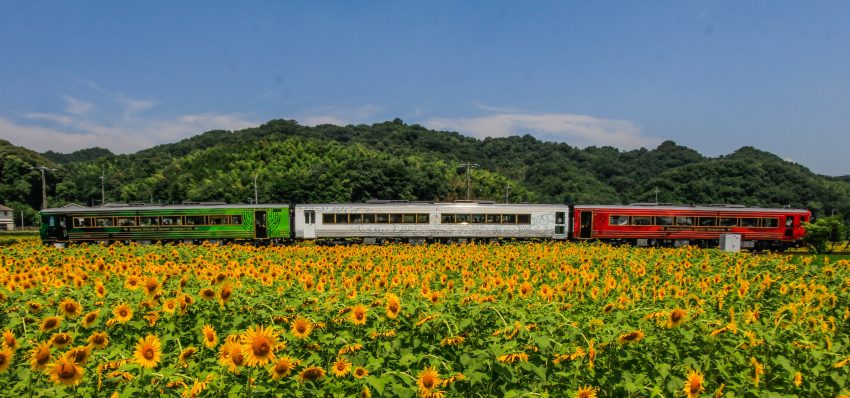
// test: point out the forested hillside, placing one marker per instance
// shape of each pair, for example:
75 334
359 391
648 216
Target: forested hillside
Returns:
392 160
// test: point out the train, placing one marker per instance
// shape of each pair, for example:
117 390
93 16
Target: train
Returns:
375 222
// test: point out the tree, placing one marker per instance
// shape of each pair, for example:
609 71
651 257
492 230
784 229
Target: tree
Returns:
824 234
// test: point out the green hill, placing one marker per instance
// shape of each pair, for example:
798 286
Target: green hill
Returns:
393 160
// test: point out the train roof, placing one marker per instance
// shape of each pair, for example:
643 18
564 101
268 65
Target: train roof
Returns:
194 206
459 205
717 208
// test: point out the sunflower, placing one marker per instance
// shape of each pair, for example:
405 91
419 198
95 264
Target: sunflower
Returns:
631 337
428 380
34 306
358 314
677 316
694 384
311 374
40 356
230 355
393 306
152 286
100 290
148 352
258 346
9 340
169 306
132 282
225 294
65 371
70 308
50 323
341 367
5 359
207 293
123 313
186 354
301 327
798 379
80 355
90 318
60 340
586 392
283 367
98 340
360 372
210 337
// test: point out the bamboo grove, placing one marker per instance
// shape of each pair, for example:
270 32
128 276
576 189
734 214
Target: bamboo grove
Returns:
533 319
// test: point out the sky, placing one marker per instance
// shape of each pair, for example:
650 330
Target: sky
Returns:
710 75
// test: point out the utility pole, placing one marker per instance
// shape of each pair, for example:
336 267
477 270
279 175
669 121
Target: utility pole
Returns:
468 165
656 195
507 192
102 191
255 187
43 184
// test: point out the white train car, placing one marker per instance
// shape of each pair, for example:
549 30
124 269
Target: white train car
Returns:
418 222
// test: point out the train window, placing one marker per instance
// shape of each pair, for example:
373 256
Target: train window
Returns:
769 222
342 218
177 220
707 221
196 220
523 218
382 218
728 222
618 220
369 218
234 220
462 218
559 230
103 221
477 219
641 220
422 218
494 219
447 219
664 220
395 218
148 221
83 222
749 222
560 217
409 219
126 221
218 220
355 218
685 221
327 218
508 219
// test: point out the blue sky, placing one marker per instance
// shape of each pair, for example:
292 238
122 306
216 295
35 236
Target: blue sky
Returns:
713 76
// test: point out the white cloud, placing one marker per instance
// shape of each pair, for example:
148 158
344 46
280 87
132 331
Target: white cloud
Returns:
576 130
117 125
341 116
76 106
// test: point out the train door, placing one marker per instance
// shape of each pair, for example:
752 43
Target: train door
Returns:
55 227
586 226
261 230
560 225
790 223
309 224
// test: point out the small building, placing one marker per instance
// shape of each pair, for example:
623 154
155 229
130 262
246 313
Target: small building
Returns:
7 219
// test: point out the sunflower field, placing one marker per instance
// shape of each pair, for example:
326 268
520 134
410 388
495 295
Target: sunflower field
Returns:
531 319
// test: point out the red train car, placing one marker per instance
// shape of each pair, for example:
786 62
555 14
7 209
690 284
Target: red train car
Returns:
665 225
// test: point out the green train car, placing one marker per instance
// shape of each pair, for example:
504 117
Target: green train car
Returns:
167 223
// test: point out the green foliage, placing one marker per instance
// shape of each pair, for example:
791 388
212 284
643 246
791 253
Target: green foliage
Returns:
824 233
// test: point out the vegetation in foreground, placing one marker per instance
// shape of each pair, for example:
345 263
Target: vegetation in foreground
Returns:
549 319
